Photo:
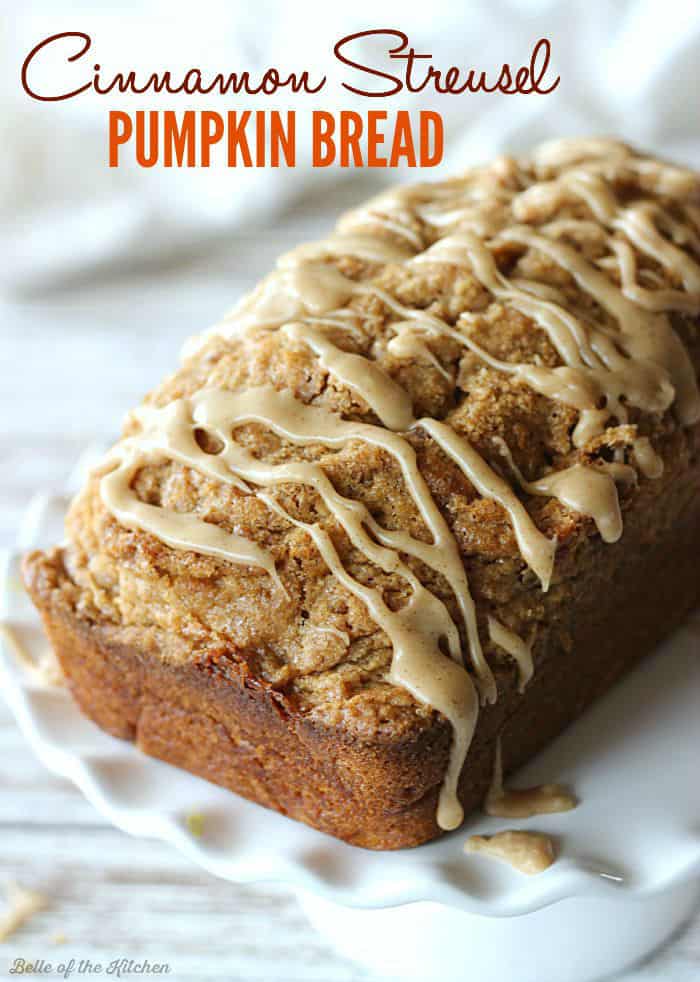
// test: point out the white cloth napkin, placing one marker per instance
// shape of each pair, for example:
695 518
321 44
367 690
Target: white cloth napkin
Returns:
630 69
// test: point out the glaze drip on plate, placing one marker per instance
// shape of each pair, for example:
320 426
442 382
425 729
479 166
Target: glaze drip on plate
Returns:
528 852
618 355
544 799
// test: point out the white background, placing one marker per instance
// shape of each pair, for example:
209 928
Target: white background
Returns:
104 273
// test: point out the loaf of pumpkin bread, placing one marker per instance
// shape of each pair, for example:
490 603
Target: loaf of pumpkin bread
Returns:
433 486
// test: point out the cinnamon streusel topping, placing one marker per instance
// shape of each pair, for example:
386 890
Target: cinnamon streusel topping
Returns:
463 376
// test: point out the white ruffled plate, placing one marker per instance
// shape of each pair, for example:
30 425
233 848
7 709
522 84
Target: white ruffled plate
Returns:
632 760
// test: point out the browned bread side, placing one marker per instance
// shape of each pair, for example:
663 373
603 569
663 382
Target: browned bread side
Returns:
215 719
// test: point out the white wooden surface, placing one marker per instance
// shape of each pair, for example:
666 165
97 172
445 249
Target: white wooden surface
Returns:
72 363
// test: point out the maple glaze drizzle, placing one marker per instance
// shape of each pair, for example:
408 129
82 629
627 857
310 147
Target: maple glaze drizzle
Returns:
629 357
